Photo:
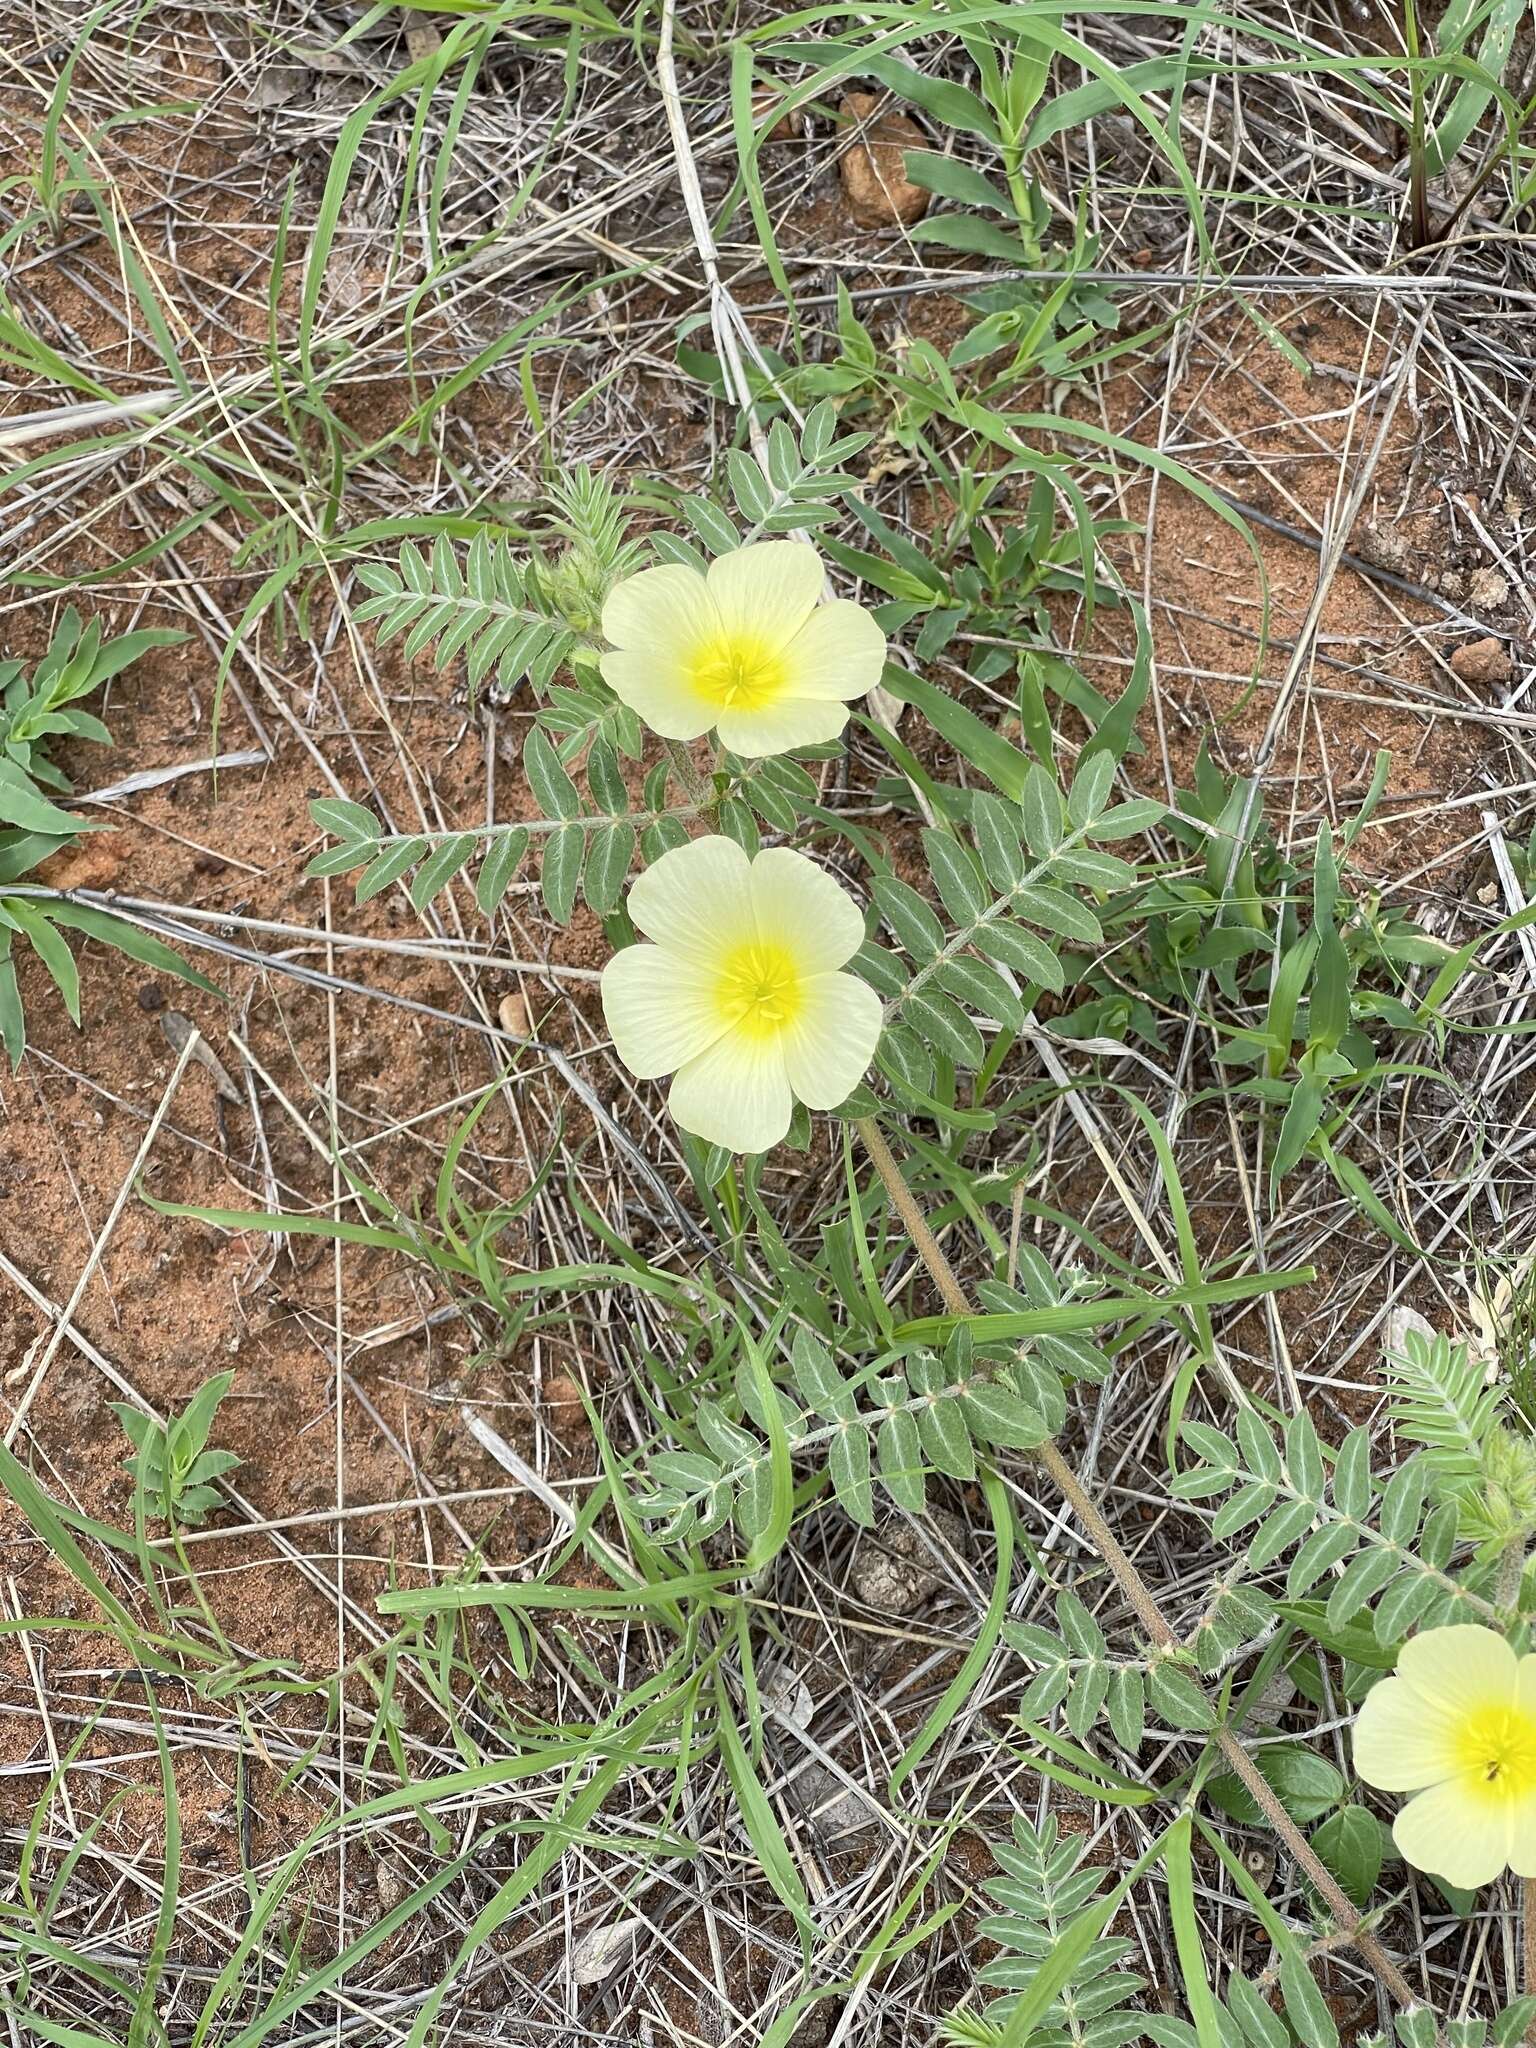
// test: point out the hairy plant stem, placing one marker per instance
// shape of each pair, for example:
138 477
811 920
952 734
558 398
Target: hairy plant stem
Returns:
1141 1599
696 786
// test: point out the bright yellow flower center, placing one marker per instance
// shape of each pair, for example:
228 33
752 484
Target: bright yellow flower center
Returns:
760 990
1496 1751
738 672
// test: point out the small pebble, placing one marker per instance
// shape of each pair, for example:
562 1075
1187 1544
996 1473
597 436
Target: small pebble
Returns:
875 181
1483 661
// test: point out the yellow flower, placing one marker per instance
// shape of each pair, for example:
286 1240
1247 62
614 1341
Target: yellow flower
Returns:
740 997
1457 1726
746 650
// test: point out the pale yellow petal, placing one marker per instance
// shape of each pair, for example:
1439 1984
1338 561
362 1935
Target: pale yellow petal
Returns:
1522 1836
696 900
662 610
1462 1838
657 688
658 620
736 1094
799 906
1460 1669
660 1009
1525 1686
777 727
828 1048
766 592
838 652
1403 1743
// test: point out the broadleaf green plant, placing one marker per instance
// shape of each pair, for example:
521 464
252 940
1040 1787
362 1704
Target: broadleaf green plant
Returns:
172 1467
37 708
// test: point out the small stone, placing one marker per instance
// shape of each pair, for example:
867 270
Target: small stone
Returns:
151 997
828 1804
875 181
1483 661
896 1569
562 1401
390 1883
1489 591
1384 547
512 1014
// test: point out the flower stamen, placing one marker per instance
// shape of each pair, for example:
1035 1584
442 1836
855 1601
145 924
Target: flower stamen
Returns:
738 674
759 990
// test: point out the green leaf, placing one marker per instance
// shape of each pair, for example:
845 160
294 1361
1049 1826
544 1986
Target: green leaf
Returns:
712 526
553 789
1323 1549
1091 785
940 1422
1306 1784
848 1469
951 105
901 1461
1352 1844
440 867
763 1830
1364 1579
1403 1502
1352 1488
1002 763
983 988
821 1385
954 873
1042 812
128 939
387 867
1058 913
910 919
343 819
560 870
501 863
52 949
1304 1458
1189 1943
1262 2026
952 179
1305 2006
608 866
13 1028
996 826
999 1417
1021 950
943 1025
753 493
21 805
1176 1699
1125 1704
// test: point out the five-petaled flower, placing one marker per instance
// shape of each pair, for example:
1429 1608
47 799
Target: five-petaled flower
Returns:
1457 1726
740 996
746 650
